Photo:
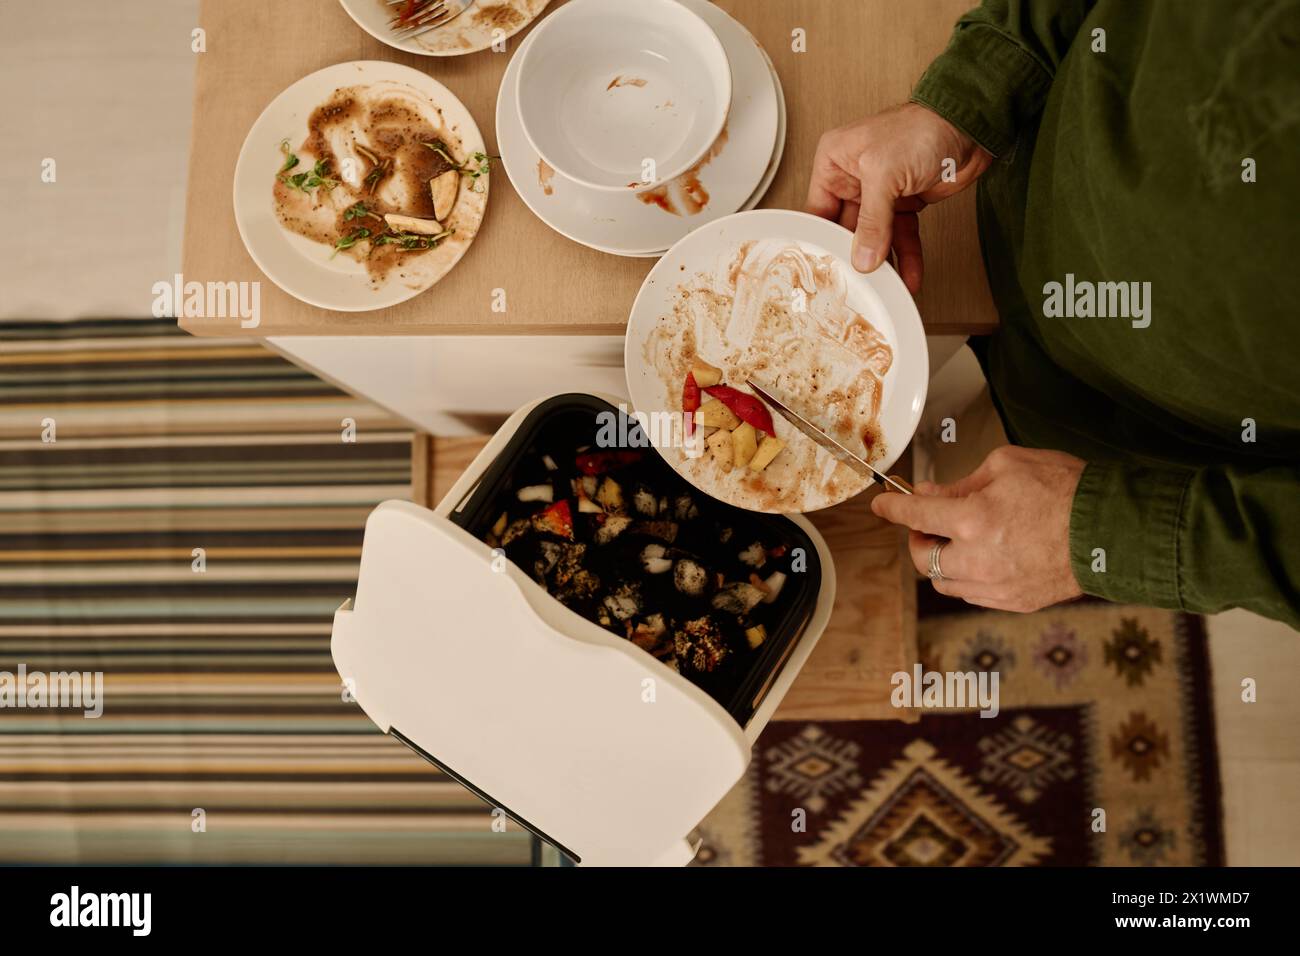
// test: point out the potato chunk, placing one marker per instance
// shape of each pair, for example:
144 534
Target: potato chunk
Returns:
705 374
769 448
719 445
715 414
744 442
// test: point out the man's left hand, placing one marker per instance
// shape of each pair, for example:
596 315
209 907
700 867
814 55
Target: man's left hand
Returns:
1008 525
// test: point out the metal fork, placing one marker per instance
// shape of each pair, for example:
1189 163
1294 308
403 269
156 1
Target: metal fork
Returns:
427 15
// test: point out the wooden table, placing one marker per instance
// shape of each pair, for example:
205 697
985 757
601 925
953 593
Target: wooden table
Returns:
872 631
861 55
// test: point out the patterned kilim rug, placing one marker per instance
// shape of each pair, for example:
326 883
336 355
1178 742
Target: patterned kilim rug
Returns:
1103 708
224 735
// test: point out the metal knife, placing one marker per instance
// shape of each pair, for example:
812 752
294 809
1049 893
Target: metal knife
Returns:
856 462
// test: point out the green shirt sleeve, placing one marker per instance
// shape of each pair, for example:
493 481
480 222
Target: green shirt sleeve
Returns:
1199 539
995 73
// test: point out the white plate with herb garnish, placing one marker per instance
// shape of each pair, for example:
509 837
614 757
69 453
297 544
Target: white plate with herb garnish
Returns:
360 186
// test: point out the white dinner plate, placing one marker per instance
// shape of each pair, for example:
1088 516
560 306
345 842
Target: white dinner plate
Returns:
623 224
308 270
772 292
474 30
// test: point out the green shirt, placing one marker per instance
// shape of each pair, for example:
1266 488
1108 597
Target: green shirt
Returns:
1147 141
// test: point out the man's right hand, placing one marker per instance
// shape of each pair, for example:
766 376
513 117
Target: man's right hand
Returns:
875 175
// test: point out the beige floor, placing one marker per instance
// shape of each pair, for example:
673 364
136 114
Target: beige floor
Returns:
1259 743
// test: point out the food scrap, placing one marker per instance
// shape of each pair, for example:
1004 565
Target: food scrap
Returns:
619 539
742 435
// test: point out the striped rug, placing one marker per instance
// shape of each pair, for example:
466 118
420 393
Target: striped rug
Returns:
184 515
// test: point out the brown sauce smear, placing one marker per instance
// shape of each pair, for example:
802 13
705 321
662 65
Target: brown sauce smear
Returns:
685 195
503 16
394 134
622 80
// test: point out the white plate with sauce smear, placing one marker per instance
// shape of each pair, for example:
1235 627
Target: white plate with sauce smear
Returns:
375 102
475 29
771 292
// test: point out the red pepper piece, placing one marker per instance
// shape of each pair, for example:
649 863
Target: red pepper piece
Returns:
599 462
556 518
746 406
690 403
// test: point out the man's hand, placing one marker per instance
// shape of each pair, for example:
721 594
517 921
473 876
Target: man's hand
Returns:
1009 525
875 175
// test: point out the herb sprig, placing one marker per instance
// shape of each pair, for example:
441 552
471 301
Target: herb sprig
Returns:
350 240
477 165
359 211
318 178
411 241
290 160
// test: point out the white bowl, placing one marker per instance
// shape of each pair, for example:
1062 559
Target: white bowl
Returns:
624 223
606 85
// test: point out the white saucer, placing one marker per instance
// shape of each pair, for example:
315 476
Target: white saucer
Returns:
622 223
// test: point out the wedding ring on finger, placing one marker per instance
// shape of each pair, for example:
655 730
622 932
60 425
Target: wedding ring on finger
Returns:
936 573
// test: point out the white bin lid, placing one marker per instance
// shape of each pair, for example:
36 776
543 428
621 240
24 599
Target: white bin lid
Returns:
546 713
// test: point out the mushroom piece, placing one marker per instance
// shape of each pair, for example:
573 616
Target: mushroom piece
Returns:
421 227
550 555
624 602
443 190
613 526
536 493
684 508
738 598
690 577
655 560
609 495
582 585
516 529
644 501
570 563
754 555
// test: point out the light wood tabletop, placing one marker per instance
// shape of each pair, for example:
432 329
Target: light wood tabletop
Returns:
860 56
872 631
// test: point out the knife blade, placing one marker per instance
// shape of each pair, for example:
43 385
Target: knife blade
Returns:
838 451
